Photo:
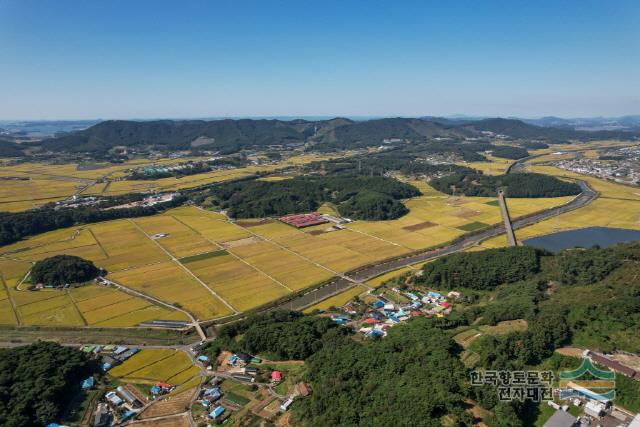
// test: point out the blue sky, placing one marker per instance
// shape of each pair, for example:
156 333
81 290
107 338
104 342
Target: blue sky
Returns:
148 59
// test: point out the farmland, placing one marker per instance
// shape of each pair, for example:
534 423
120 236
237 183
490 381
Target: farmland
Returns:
211 267
156 365
44 183
436 218
88 305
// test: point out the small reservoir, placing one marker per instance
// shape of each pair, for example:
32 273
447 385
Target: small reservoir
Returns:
583 238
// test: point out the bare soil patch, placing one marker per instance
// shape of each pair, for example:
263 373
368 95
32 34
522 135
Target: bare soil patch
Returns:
254 223
419 226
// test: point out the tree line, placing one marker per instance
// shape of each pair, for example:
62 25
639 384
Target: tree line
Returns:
59 270
482 270
509 152
18 225
518 185
38 381
282 335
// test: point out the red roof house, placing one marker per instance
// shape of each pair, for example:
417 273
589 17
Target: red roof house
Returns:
304 220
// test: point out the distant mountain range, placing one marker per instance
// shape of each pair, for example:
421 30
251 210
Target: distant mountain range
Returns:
231 135
629 123
49 128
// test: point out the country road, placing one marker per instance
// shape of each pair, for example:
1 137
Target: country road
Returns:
365 273
369 272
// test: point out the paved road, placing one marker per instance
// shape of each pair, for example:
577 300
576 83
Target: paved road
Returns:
363 274
504 211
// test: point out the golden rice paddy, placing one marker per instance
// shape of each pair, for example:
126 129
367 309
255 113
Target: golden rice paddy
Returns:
150 366
252 262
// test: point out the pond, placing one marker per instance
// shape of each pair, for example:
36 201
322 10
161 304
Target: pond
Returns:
583 238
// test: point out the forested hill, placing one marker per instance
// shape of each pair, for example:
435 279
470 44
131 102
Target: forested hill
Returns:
356 197
231 135
217 134
10 149
519 129
514 185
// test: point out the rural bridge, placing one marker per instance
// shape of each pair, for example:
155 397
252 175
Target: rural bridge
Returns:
511 236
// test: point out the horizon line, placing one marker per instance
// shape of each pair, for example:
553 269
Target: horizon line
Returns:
315 117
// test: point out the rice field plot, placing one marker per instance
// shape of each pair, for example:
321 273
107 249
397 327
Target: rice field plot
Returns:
180 241
56 299
520 207
291 270
125 246
46 308
118 308
183 211
63 316
338 250
146 314
140 360
368 246
395 232
494 165
337 300
43 308
211 226
12 271
91 252
102 306
239 284
37 191
172 184
184 376
69 238
70 241
203 256
169 282
7 315
46 242
160 370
